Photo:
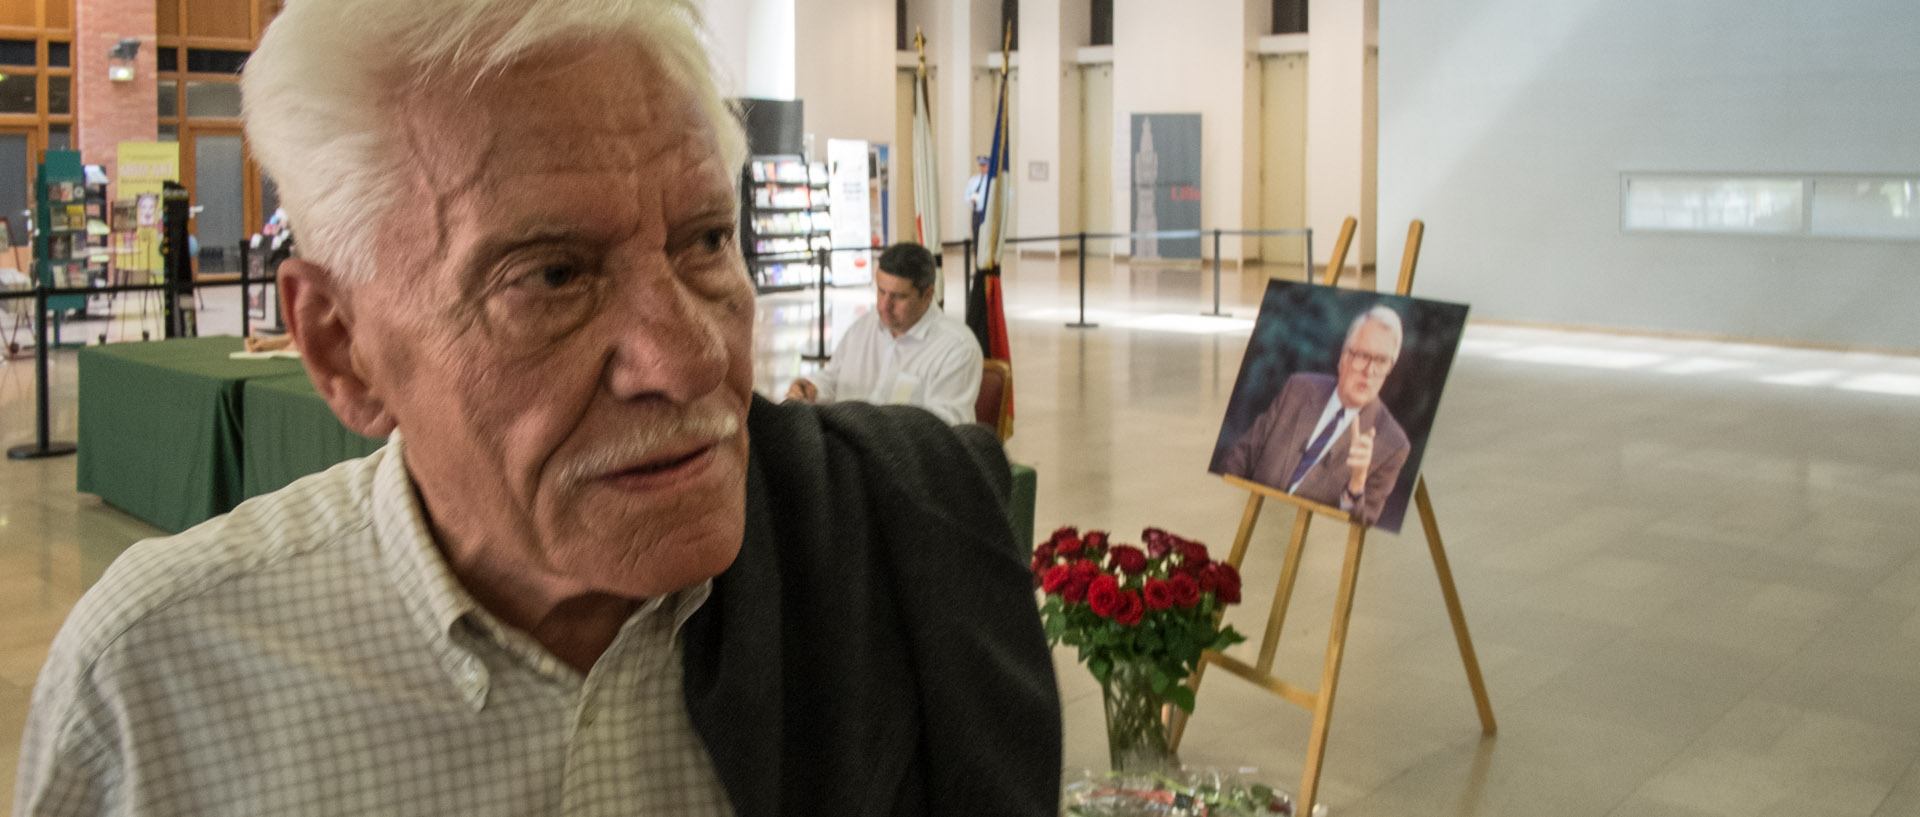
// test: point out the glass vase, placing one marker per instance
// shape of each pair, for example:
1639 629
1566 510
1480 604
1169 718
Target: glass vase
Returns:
1136 730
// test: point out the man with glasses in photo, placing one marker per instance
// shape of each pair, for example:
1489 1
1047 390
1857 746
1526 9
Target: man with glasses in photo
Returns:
1328 438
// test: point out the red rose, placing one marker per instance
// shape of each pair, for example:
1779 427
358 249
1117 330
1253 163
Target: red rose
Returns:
1191 551
1096 540
1056 578
1129 559
1228 592
1223 581
1186 591
1128 610
1158 594
1062 533
1159 542
1043 553
1080 574
1069 546
1102 594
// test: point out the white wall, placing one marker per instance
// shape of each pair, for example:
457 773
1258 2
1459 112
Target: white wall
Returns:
844 63
753 46
1506 124
1336 123
1184 57
1047 119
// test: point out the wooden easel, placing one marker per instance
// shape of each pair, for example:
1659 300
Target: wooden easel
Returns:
1320 702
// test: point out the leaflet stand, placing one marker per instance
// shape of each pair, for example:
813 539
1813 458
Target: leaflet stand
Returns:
1320 702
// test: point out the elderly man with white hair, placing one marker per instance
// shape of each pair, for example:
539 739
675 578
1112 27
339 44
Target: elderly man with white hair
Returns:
590 572
1328 438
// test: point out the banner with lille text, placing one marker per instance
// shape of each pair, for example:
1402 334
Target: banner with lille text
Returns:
144 167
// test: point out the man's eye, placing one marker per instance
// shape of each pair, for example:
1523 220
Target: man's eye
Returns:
556 276
716 239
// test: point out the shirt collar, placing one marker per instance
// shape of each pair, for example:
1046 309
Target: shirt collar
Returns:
434 598
923 328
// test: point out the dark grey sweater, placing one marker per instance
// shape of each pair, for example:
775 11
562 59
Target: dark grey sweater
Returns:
875 649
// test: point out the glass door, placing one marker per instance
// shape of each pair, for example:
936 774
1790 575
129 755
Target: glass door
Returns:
220 197
18 146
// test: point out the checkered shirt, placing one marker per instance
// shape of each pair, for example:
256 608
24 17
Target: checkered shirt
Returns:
310 653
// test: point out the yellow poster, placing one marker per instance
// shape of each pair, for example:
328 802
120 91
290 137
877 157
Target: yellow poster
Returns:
143 167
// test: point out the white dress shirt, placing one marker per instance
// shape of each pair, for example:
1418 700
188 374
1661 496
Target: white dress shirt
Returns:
1338 413
310 653
936 365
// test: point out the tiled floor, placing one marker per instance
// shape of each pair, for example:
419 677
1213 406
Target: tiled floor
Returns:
1692 569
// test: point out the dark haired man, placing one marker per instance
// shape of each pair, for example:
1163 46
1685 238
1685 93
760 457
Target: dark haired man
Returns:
905 351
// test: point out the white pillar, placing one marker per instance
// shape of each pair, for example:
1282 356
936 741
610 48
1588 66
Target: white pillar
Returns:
1336 96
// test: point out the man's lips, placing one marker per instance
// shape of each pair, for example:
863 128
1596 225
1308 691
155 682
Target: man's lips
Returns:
667 467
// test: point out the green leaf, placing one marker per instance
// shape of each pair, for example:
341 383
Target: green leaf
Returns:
1159 680
1100 667
1180 696
1056 628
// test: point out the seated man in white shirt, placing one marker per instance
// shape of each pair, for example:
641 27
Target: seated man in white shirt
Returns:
905 351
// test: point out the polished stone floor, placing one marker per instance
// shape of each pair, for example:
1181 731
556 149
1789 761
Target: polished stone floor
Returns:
1692 569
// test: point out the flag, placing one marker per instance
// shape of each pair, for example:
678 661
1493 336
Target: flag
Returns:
926 172
986 313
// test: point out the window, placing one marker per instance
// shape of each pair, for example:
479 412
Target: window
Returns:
169 97
59 95
1289 16
211 61
168 59
19 52
59 55
1102 23
1827 205
19 93
1714 204
213 99
1867 207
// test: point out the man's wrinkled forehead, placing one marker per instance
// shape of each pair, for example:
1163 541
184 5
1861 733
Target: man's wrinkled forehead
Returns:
459 123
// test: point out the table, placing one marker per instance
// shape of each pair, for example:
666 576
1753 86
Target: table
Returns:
175 433
161 424
290 433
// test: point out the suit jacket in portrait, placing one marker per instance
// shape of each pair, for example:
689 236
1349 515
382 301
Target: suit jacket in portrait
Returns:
1272 447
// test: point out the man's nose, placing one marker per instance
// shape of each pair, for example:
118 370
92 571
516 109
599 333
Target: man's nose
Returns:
668 341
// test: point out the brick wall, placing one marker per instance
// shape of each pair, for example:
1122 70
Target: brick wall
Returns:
106 112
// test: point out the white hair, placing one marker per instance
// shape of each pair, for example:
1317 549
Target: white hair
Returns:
320 90
1380 314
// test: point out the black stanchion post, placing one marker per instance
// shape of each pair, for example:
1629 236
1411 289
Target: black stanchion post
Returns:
820 260
966 275
43 431
1309 267
1216 277
1082 323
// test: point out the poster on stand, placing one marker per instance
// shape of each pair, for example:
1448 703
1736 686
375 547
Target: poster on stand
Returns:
1166 183
847 190
1337 395
879 201
144 167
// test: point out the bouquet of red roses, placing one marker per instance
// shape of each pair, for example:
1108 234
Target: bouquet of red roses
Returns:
1153 608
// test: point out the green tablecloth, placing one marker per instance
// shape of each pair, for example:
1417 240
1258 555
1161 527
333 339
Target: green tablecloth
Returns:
291 433
175 433
1026 488
160 426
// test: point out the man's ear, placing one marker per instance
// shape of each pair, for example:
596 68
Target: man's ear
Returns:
319 317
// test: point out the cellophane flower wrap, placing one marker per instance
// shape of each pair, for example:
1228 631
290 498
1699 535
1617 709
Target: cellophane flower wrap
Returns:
1151 606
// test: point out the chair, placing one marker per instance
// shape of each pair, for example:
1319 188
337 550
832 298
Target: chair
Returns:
994 406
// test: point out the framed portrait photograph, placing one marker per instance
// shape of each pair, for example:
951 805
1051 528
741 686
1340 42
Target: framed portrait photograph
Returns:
1337 395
